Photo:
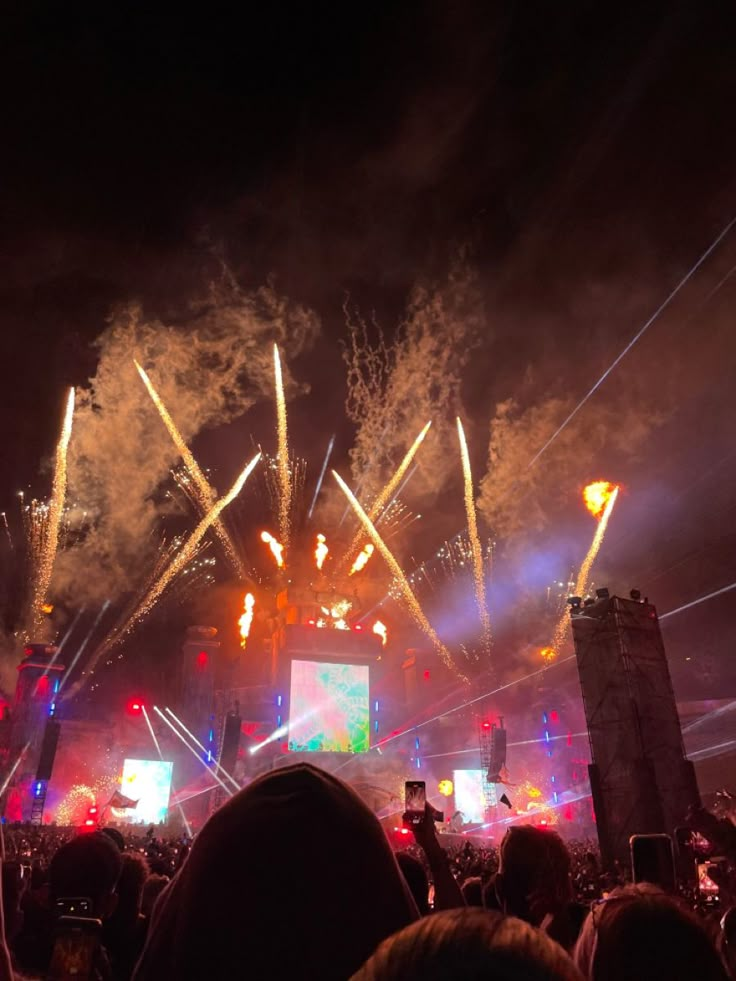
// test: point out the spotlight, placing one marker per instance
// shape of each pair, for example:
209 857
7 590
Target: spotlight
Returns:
635 594
602 593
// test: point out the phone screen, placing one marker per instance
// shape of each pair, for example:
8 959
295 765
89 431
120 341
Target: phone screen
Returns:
707 888
415 797
652 860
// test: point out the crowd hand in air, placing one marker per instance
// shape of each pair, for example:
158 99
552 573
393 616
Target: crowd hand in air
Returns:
447 892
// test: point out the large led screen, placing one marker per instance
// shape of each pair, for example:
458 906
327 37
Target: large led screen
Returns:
469 798
148 782
329 707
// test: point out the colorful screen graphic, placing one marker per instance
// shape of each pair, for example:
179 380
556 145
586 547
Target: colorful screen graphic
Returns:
329 707
469 798
148 782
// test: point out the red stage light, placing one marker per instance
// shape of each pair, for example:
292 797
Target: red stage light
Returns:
426 675
358 626
486 725
554 717
202 659
134 706
311 623
92 810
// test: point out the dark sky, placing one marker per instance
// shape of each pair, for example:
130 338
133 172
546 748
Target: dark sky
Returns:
585 152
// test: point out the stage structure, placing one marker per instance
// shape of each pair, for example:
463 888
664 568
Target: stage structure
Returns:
198 664
640 780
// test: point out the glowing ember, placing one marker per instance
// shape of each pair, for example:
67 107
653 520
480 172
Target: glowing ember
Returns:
402 582
245 621
204 494
283 456
548 654
597 495
320 552
56 509
362 558
475 547
380 629
277 549
445 787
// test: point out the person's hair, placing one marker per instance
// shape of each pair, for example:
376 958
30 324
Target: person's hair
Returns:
490 899
467 944
533 861
416 879
152 888
133 875
87 866
641 934
472 890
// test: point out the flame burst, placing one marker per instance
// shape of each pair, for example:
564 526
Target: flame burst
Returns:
548 654
597 495
320 552
581 583
362 558
204 495
380 629
283 456
56 509
245 621
474 538
277 549
401 580
387 492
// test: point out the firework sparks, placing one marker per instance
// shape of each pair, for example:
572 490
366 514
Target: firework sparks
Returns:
406 590
597 495
203 494
321 551
380 630
245 621
475 546
4 516
548 654
283 456
386 493
322 472
56 509
362 558
277 549
581 583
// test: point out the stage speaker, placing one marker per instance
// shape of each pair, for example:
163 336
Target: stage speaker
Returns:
48 750
498 754
230 741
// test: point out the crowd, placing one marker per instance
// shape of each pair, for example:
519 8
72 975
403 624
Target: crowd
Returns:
295 878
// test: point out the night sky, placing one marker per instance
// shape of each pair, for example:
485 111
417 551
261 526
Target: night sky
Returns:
584 155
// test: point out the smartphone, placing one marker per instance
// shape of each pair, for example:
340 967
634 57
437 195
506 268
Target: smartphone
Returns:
707 888
653 860
415 799
76 947
74 906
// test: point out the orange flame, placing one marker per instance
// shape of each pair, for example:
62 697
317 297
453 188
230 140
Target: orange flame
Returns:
277 549
597 495
362 558
380 629
320 552
245 621
548 654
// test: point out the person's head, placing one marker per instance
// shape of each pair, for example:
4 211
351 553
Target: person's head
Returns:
490 896
416 879
533 876
465 945
87 867
472 890
152 888
130 888
641 934
297 854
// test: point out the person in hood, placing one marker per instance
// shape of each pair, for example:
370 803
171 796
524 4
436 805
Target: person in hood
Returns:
291 878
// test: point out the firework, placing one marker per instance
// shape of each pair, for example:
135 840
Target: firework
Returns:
379 629
362 558
385 495
202 493
245 621
406 590
548 654
277 549
597 495
320 552
56 509
283 455
322 472
581 583
4 516
475 546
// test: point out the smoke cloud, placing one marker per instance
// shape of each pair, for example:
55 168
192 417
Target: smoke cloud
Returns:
209 366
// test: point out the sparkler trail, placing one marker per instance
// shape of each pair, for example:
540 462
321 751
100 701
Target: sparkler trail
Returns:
283 456
663 306
56 509
406 590
383 498
322 472
697 602
475 547
4 516
161 757
581 584
204 495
